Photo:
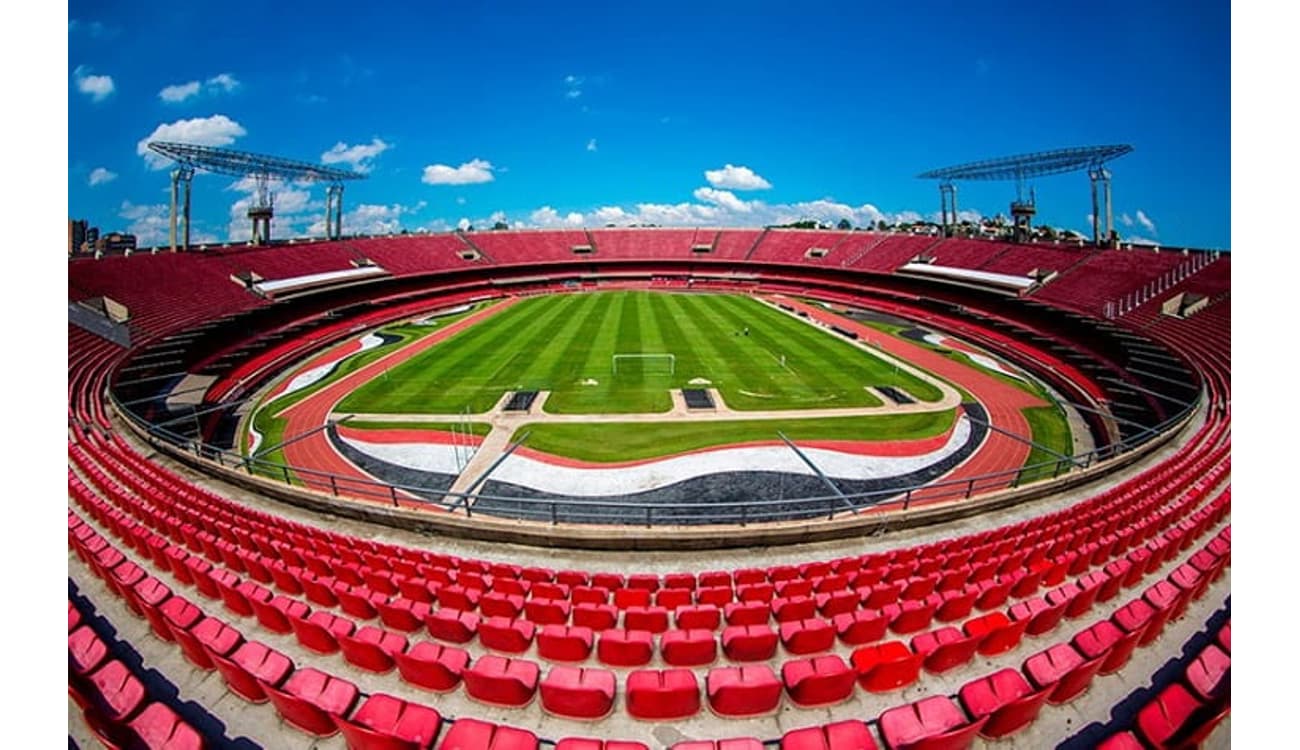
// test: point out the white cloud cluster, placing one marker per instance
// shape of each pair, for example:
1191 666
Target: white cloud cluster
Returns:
222 83
98 88
736 178
726 199
100 175
469 173
151 224
1146 222
368 218
293 206
217 130
572 86
546 217
358 156
591 145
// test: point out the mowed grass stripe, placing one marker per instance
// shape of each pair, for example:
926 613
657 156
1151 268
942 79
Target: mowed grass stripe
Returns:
790 380
708 331
568 353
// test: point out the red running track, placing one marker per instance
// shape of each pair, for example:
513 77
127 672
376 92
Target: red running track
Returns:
998 453
316 452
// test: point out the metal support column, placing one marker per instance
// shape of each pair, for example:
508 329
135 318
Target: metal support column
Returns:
338 211
189 180
1096 232
176 176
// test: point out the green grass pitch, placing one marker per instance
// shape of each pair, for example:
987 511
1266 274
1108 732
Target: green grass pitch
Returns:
564 344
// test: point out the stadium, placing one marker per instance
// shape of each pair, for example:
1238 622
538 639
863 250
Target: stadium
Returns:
607 487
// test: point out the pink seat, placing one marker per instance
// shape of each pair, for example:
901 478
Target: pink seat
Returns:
321 630
504 634
564 642
372 648
86 651
742 691
662 694
1135 617
808 636
1170 716
384 722
432 665
881 667
1041 615
578 693
1208 674
1006 698
208 635
1063 669
749 642
910 616
473 734
996 632
862 626
497 604
119 693
841 735
502 681
819 681
944 648
309 697
688 648
251 666
625 648
158 726
1105 639
933 723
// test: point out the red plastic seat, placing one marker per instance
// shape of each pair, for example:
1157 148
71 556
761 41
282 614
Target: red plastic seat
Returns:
1063 669
497 604
840 735
793 608
1042 616
944 648
547 611
251 666
909 616
1225 636
309 697
1105 639
598 617
1208 674
578 693
731 743
1135 617
587 743
208 635
997 632
432 665
320 631
749 642
672 598
384 722
933 723
503 634
86 650
372 648
1166 599
742 691
881 667
698 617
274 614
662 694
747 613
819 681
808 636
158 726
625 648
564 642
116 692
651 619
688 648
403 614
717 596
1006 698
1169 717
862 626
452 625
1125 740
502 681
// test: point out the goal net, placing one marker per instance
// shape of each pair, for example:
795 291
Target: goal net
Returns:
646 363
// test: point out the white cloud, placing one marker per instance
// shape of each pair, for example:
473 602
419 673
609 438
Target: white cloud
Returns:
97 88
736 178
471 172
150 224
217 130
223 81
1141 241
1146 222
610 215
179 92
549 217
572 86
1124 219
463 224
294 211
100 175
460 200
357 156
725 199
368 218
591 145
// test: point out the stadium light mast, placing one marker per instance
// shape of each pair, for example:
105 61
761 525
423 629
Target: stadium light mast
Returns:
1024 167
263 169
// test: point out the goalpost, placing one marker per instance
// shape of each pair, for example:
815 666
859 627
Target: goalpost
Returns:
672 360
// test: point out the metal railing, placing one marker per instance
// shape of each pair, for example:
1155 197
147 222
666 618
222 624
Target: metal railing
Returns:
628 511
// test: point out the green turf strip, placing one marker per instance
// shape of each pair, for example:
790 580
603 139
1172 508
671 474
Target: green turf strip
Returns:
631 441
1049 427
565 344
475 428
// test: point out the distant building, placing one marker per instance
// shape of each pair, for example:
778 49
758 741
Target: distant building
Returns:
115 243
77 235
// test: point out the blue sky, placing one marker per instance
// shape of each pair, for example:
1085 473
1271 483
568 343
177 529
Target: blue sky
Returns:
551 114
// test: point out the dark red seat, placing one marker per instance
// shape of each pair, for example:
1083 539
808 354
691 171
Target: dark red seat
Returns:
933 723
944 648
819 681
909 616
86 650
1208 675
497 604
841 735
792 608
274 614
320 631
742 691
578 693
117 693
473 734
662 694
310 697
158 726
251 666
452 625
502 681
1169 717
564 642
432 665
749 642
598 617
547 611
862 626
504 634
881 667
688 648
1105 639
625 648
208 635
808 636
1006 698
372 648
384 722
997 633
698 617
1063 669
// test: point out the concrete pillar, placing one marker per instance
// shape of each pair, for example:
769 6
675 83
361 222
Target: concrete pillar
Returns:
176 176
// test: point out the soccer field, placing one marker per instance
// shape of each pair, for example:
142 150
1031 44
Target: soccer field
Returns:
757 357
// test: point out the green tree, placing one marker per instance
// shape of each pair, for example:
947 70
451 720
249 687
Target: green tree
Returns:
844 225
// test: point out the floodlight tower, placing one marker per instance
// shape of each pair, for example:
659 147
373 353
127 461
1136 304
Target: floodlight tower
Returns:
1026 166
190 157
